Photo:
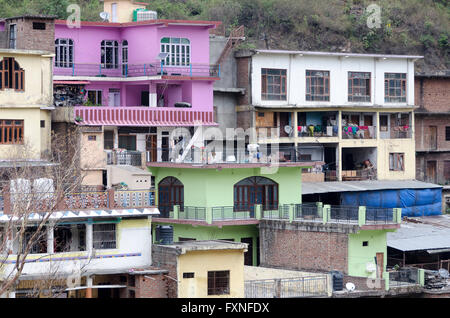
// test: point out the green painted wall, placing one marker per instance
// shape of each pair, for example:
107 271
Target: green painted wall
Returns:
236 232
212 187
359 255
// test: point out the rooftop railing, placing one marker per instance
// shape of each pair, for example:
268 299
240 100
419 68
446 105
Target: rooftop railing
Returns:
130 158
404 277
232 156
137 70
306 212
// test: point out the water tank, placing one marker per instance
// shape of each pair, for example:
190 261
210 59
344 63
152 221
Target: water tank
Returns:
164 234
338 280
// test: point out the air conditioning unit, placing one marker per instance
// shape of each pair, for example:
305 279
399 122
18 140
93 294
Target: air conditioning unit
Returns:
146 15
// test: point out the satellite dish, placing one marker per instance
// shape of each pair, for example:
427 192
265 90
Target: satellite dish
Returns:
288 129
444 273
104 16
350 286
162 56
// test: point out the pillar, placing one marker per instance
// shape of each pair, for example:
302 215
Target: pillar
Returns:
89 238
89 283
361 215
326 213
50 239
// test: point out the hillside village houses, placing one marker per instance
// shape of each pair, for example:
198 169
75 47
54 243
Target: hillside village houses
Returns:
314 190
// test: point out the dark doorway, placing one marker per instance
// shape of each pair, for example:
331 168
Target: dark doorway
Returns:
145 100
170 193
248 256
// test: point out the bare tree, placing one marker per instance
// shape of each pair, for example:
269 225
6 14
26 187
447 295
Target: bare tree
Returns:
32 192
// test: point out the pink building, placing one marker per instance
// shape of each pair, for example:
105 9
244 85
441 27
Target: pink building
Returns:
137 80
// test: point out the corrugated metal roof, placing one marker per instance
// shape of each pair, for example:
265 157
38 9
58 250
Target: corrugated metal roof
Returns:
351 186
340 54
432 234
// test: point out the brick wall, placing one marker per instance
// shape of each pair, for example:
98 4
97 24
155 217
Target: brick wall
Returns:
166 258
31 39
364 283
433 94
152 286
297 246
424 134
442 173
243 78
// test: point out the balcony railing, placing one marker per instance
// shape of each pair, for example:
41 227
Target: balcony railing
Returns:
230 156
137 70
359 132
359 175
49 201
404 277
130 158
142 116
306 212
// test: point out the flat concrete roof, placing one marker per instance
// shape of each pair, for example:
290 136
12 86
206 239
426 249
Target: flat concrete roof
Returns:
231 165
189 246
352 186
344 54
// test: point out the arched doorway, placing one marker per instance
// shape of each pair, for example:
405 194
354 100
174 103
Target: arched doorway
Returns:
170 193
255 190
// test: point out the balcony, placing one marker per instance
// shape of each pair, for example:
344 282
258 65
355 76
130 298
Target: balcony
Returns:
124 158
87 200
366 217
206 156
141 116
359 132
137 70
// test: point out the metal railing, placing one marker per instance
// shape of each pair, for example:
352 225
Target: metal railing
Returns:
344 214
241 156
136 70
359 132
400 132
130 158
311 286
192 213
278 212
358 175
308 211
224 213
404 277
380 216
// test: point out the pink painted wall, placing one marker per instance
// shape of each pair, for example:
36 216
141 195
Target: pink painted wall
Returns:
143 41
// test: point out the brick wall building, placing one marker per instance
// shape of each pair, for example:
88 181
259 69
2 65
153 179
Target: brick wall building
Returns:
298 246
432 127
31 32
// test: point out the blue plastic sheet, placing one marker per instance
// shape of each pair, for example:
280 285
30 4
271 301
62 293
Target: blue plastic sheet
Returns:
413 202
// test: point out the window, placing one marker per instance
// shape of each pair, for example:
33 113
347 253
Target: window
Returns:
125 57
358 87
38 243
188 275
170 193
179 51
38 26
92 138
11 132
110 54
255 190
104 236
219 283
108 139
127 142
12 36
447 133
317 85
95 97
396 161
384 122
394 87
365 243
273 84
11 75
42 123
64 53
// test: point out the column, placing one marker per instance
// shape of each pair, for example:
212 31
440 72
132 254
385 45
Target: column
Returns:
89 238
89 283
295 123
50 240
361 215
152 96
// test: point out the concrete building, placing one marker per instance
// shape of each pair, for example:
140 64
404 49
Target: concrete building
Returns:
353 111
26 93
203 269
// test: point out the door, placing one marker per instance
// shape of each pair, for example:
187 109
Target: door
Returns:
380 265
284 121
368 120
433 137
114 98
248 256
145 98
165 148
151 148
431 171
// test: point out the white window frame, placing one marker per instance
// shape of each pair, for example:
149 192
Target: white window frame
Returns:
179 52
114 46
64 53
100 234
